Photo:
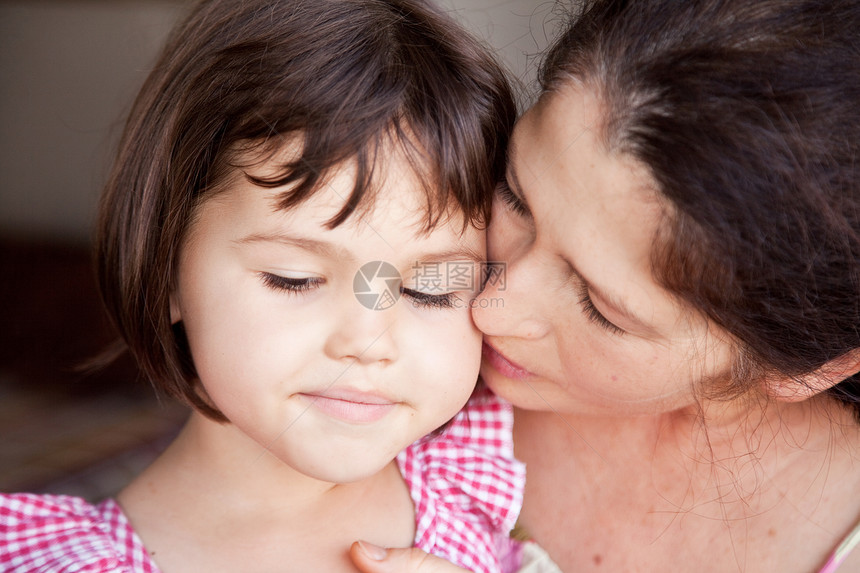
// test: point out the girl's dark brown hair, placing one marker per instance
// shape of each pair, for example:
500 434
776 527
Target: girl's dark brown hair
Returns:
346 78
747 114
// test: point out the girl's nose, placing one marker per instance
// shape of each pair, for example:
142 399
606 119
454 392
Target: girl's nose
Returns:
363 334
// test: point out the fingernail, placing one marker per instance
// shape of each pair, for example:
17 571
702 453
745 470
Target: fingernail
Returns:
375 552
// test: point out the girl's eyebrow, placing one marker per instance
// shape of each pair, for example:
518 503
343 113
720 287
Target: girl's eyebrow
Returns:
321 248
459 253
329 250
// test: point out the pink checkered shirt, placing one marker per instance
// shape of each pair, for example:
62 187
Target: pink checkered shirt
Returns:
465 483
62 534
466 486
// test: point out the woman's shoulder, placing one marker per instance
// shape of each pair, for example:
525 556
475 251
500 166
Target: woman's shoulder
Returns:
58 532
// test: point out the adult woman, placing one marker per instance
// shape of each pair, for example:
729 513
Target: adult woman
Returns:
680 322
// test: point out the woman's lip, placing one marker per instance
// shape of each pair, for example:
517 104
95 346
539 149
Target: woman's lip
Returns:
502 364
350 405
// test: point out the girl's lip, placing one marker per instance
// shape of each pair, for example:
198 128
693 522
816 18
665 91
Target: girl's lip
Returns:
502 364
349 405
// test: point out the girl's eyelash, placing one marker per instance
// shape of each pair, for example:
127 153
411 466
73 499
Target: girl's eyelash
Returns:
279 283
429 300
593 314
293 285
510 199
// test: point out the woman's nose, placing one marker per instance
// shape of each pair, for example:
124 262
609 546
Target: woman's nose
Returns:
511 304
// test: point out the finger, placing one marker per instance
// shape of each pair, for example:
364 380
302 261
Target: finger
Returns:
371 558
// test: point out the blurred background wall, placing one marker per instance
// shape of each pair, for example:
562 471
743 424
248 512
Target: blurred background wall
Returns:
68 72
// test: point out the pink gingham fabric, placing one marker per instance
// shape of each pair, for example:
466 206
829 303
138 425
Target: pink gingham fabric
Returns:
465 483
63 534
467 487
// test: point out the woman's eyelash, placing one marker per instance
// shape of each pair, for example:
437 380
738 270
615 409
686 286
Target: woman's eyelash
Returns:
429 300
279 283
510 199
593 314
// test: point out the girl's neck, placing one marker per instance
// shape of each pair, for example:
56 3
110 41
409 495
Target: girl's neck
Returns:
223 462
744 483
219 501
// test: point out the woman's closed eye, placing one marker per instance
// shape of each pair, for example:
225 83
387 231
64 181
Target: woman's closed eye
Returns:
511 199
593 314
291 284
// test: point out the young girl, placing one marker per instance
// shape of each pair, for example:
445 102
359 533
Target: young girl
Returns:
289 171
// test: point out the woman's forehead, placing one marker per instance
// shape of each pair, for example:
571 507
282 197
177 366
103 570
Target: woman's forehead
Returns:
597 210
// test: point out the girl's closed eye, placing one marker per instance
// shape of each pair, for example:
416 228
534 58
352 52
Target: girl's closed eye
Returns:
427 300
290 284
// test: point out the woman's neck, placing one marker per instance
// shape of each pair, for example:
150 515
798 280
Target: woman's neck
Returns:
733 492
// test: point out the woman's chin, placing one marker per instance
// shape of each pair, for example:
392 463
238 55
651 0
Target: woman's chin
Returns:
517 392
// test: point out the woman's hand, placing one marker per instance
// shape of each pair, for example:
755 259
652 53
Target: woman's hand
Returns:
370 558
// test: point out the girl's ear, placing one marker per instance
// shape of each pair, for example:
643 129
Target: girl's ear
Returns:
809 385
175 312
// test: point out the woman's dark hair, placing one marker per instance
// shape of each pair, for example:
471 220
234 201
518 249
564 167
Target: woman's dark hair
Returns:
346 78
747 114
